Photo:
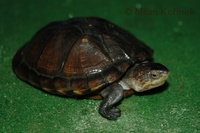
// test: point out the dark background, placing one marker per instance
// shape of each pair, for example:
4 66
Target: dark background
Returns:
174 37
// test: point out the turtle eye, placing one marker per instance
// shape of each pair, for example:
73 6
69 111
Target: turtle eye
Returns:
155 74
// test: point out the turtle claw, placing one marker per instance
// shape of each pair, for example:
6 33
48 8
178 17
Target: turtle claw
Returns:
115 113
111 114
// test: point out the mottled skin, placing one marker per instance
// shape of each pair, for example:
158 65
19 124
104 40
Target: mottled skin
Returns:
141 77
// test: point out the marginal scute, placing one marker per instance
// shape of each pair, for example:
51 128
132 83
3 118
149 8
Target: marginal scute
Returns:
47 89
62 91
123 66
21 71
46 82
33 78
96 81
60 82
112 74
79 83
78 92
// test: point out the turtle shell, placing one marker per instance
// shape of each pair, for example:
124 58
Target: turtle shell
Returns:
78 56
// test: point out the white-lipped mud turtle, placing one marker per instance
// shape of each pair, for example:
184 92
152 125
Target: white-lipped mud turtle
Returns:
89 57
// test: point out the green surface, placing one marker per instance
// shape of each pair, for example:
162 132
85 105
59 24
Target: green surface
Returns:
175 39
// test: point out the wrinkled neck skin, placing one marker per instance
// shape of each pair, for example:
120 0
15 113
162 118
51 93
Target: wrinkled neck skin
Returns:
129 82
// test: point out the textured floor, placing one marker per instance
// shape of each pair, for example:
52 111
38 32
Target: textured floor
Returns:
170 28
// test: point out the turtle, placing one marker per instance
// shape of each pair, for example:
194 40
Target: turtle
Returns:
89 57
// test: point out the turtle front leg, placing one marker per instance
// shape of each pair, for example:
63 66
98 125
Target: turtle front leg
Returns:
112 95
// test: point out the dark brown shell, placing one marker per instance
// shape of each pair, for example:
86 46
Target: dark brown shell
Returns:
78 56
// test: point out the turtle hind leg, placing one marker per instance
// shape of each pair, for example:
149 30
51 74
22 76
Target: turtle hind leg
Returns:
112 95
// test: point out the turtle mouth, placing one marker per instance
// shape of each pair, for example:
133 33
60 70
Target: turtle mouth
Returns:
160 81
156 83
151 83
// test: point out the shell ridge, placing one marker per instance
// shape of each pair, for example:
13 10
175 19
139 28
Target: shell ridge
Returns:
66 55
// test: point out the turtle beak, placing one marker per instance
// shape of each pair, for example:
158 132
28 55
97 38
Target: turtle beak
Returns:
160 81
156 82
166 74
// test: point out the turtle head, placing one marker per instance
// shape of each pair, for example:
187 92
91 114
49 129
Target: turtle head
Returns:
145 76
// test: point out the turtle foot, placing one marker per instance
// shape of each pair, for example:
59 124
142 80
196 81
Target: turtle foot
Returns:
110 114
